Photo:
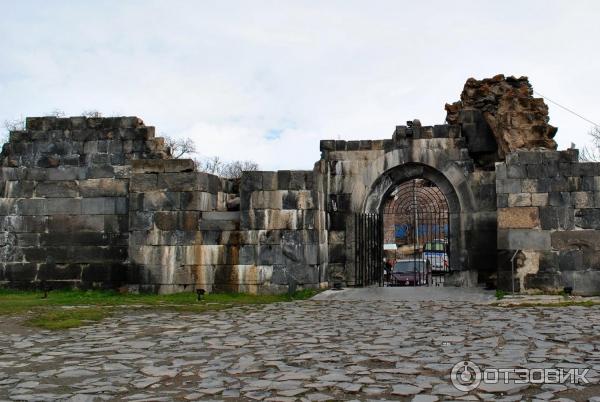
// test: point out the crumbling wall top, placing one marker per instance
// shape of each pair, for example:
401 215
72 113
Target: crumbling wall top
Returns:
516 118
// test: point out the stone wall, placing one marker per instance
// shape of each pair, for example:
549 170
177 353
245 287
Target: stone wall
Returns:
99 203
64 200
182 236
549 208
283 220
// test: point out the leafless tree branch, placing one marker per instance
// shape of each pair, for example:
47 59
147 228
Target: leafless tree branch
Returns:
230 170
592 154
180 147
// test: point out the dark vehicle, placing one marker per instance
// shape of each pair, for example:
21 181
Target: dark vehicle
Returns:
413 272
436 251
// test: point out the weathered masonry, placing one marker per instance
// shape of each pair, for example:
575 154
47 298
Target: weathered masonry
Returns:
98 202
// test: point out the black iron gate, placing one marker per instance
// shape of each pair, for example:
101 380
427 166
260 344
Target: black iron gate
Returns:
416 224
368 253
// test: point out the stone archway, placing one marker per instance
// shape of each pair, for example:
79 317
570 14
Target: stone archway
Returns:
386 183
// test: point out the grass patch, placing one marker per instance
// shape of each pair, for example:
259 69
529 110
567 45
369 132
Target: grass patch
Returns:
500 294
587 303
67 318
94 305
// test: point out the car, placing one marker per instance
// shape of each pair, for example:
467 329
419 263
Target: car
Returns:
436 251
410 272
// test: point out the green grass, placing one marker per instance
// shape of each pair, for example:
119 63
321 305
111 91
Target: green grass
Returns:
500 294
94 305
67 318
587 303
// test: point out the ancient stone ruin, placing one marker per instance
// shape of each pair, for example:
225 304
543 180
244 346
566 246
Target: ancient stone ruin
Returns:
99 202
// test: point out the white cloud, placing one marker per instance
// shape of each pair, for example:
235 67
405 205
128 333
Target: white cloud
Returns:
230 72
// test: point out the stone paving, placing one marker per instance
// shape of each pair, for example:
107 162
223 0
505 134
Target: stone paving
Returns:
308 350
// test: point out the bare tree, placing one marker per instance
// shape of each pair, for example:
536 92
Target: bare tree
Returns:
592 154
91 113
57 113
180 147
233 170
212 165
227 169
15 124
11 125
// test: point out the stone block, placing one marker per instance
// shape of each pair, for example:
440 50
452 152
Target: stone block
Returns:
528 239
24 224
141 220
585 169
536 171
518 217
529 186
556 218
559 199
62 173
588 218
58 189
558 184
564 169
185 181
516 171
327 145
221 216
570 260
98 206
575 183
69 206
508 186
31 207
20 272
289 200
298 180
76 223
530 157
141 166
198 201
548 261
576 239
103 188
539 199
100 172
587 183
582 199
247 255
519 200
269 181
269 255
266 199
502 200
143 182
161 201
185 220
8 206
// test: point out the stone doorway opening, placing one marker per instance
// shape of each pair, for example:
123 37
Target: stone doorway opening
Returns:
416 234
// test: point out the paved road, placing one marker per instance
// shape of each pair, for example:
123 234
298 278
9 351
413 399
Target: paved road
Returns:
409 294
310 350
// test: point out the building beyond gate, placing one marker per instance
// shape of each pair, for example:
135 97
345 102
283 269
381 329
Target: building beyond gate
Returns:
98 202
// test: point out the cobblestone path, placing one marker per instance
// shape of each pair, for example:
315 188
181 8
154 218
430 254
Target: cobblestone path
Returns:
309 350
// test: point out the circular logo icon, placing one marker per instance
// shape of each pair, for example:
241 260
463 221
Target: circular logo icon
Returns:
465 376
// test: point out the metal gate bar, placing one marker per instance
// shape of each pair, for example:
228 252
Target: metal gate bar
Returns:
368 250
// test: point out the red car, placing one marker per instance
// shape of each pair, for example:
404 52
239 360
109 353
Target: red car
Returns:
413 272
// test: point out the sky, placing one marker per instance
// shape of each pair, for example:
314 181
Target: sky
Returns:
267 80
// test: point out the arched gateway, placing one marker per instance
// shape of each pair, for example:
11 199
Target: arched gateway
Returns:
363 176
